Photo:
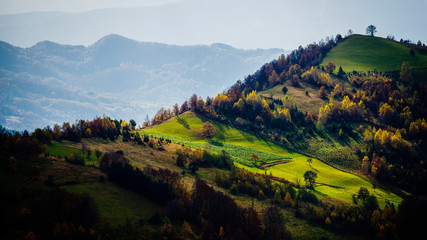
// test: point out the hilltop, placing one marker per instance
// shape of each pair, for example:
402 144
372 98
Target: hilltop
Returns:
365 53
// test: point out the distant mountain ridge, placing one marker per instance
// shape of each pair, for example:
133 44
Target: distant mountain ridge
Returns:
50 83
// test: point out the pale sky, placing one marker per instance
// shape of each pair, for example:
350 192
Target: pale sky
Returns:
23 6
241 23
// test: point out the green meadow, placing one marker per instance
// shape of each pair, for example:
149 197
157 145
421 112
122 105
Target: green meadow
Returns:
365 53
64 149
332 182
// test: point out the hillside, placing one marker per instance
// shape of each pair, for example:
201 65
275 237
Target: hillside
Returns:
293 151
365 53
240 145
51 83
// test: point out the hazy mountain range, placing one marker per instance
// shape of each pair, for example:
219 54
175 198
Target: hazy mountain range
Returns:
51 83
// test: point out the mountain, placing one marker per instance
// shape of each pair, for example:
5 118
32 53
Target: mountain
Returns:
365 53
51 83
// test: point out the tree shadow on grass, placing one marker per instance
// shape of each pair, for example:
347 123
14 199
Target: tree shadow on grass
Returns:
183 123
314 190
220 133
324 136
216 143
314 169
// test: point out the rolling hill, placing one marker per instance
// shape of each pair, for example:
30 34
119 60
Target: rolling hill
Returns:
365 53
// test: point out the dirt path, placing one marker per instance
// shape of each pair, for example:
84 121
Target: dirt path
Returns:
269 164
332 186
279 180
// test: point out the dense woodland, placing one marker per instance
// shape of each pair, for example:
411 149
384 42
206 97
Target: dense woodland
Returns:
387 109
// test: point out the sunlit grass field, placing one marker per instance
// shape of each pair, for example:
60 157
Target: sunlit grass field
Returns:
365 53
340 185
65 149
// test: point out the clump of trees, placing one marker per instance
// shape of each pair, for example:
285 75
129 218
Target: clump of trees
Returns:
75 159
15 143
203 158
160 185
310 179
262 187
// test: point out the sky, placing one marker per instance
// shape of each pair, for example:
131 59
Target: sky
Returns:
247 24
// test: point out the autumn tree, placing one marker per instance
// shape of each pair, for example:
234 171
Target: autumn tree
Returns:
181 159
296 82
193 102
254 157
184 107
199 105
322 93
208 130
294 70
371 30
273 79
330 67
175 110
386 113
366 164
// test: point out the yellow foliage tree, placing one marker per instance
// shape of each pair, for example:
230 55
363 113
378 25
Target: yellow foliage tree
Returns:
288 199
328 221
366 164
273 79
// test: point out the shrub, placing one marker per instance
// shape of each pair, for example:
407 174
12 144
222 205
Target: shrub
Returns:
307 196
284 90
75 159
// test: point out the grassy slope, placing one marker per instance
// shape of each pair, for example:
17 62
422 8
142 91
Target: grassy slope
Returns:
115 203
310 103
185 127
64 149
124 201
363 53
238 143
